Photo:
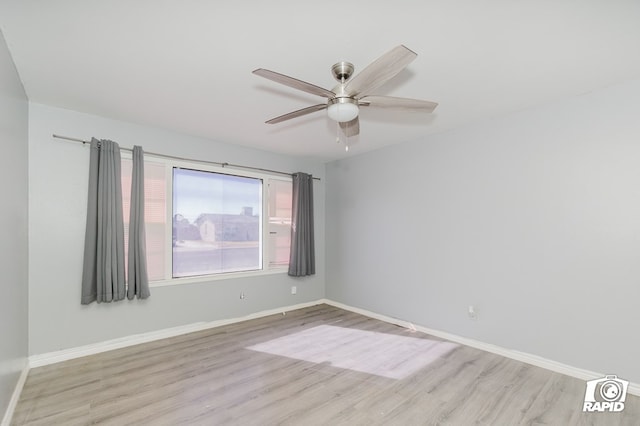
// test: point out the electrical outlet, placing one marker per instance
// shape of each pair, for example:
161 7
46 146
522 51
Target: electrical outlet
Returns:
472 313
294 289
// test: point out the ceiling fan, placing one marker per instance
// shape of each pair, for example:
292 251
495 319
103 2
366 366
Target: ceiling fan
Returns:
352 92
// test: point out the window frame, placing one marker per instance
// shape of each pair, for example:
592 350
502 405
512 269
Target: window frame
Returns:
266 179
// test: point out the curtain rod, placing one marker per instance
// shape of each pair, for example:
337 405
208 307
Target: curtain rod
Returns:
173 157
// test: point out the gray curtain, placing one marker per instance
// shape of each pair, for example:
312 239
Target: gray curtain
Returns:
103 278
138 281
302 260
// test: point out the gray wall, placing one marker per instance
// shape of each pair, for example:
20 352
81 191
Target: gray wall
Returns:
13 216
534 218
58 197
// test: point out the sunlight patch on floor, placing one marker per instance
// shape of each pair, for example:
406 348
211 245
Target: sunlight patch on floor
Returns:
371 352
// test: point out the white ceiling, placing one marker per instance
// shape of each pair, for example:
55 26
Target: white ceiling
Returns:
186 65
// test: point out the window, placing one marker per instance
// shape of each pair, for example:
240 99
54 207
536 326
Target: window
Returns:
155 214
208 221
216 223
280 205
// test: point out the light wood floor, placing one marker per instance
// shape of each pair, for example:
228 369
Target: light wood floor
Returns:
315 366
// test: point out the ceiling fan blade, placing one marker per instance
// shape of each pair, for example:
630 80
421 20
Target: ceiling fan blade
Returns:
350 128
294 82
379 71
298 113
398 103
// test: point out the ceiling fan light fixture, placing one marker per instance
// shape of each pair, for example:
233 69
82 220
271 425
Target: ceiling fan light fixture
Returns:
342 109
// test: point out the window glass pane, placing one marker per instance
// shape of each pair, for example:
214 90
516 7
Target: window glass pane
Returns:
216 223
280 205
155 198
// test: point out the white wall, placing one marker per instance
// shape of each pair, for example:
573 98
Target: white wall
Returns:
534 218
13 217
58 197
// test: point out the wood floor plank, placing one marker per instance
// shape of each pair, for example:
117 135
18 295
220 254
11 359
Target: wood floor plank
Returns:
314 366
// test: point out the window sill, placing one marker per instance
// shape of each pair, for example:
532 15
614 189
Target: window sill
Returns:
216 277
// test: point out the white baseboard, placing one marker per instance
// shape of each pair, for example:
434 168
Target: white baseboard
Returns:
136 339
15 396
67 354
634 388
